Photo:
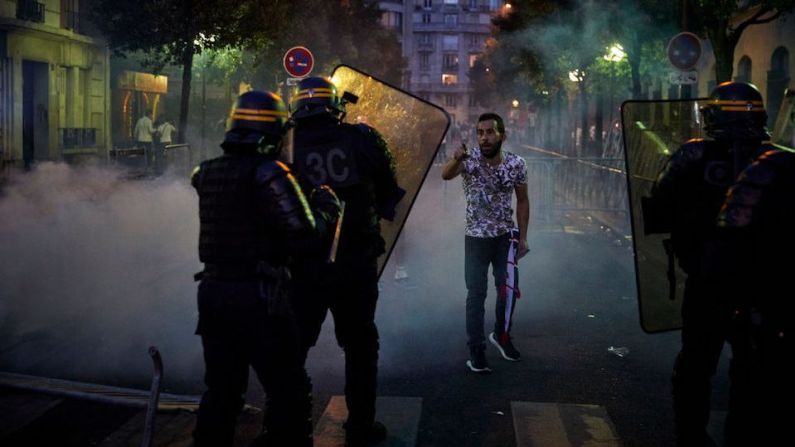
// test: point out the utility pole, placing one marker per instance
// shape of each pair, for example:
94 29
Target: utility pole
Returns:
685 90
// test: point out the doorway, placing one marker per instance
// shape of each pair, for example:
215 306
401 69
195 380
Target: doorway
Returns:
35 112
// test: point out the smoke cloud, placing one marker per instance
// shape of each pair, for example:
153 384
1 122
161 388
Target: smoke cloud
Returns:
96 268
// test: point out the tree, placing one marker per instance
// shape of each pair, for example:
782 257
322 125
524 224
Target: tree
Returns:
335 31
174 31
724 21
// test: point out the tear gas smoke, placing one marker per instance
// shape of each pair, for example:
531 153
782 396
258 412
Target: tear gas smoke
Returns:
96 268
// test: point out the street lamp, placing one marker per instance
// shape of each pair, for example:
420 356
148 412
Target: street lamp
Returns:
615 54
578 77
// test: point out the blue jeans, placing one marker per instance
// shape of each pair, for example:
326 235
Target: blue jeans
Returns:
479 252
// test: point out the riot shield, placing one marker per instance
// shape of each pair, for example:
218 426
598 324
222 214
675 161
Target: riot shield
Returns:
784 127
412 127
653 130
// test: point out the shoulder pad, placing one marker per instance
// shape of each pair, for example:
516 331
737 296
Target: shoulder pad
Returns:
766 147
693 149
364 128
763 171
270 170
368 131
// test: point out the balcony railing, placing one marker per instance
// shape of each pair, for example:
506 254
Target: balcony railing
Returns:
70 138
30 10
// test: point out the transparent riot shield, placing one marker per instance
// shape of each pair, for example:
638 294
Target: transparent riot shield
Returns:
784 127
413 129
653 130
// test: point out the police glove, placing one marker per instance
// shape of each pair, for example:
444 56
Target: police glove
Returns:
325 200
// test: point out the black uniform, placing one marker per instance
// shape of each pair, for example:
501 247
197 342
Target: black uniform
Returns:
755 242
685 201
355 161
253 215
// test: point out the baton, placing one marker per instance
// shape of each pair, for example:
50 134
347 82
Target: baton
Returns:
332 255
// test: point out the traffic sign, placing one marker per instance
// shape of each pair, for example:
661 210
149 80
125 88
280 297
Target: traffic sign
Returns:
298 62
684 50
677 77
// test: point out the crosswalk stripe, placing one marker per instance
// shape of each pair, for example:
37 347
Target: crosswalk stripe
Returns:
400 415
539 424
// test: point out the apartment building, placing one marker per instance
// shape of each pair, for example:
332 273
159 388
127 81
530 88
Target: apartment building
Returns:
441 39
54 84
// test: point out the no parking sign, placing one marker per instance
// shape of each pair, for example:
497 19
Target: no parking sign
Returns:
298 62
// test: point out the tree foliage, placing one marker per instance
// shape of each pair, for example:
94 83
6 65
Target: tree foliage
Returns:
173 31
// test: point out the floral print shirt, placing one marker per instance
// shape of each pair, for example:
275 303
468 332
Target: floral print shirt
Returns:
489 191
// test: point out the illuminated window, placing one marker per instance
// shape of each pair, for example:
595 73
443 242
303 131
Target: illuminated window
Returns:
449 79
392 19
472 59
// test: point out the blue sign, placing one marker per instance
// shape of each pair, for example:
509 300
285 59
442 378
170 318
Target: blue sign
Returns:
684 50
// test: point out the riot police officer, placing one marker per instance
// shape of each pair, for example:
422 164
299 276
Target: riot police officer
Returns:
253 217
355 161
755 240
685 201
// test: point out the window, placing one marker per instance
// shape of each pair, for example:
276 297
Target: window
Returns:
450 61
493 5
425 64
744 69
472 59
451 19
449 79
474 40
426 18
69 15
427 4
392 19
473 100
473 4
449 100
425 39
450 42
779 62
450 2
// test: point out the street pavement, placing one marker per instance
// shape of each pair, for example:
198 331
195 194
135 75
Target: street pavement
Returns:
577 312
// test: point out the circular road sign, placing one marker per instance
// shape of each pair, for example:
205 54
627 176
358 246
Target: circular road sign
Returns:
684 50
298 62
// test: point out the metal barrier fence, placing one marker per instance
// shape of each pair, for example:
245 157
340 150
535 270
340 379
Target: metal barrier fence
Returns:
558 184
173 158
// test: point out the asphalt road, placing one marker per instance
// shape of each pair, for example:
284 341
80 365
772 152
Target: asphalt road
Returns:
578 300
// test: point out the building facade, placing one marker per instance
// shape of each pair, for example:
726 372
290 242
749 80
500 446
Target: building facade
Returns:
441 39
54 84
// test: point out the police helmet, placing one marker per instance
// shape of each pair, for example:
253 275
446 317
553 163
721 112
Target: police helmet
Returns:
735 110
258 119
313 96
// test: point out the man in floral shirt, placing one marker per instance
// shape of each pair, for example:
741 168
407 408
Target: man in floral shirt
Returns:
490 176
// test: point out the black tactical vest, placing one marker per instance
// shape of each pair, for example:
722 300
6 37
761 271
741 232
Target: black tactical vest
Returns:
707 169
336 154
233 225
